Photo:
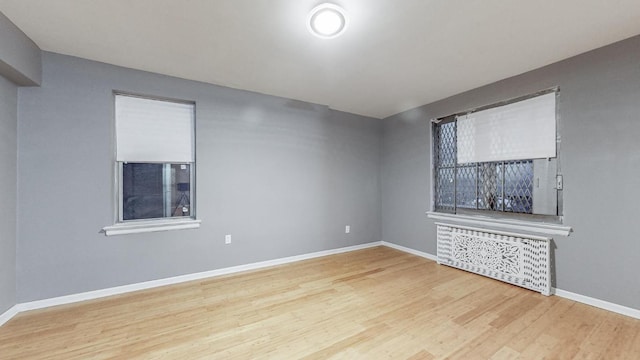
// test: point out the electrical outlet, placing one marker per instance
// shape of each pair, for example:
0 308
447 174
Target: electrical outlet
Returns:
227 239
347 229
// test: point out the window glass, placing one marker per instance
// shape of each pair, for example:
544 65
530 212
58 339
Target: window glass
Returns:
155 190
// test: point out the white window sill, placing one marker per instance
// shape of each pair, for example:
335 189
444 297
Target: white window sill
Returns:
150 226
535 227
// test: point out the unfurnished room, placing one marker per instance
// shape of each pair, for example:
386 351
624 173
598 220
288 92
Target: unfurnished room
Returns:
343 179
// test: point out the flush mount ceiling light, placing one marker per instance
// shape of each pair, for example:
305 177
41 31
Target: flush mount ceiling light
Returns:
327 21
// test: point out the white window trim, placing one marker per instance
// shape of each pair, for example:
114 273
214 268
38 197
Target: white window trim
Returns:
145 226
535 227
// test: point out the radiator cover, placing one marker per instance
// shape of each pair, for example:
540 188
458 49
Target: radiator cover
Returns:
518 259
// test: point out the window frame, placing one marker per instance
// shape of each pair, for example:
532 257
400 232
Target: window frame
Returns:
121 226
488 214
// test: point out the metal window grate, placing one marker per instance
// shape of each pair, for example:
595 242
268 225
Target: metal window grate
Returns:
518 186
488 186
466 187
445 155
498 186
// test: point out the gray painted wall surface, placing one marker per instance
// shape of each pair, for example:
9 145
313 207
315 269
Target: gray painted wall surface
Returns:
8 184
599 104
20 59
283 177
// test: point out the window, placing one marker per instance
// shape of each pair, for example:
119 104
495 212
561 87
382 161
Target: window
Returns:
501 159
155 163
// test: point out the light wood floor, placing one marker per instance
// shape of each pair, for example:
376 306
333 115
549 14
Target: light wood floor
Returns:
376 303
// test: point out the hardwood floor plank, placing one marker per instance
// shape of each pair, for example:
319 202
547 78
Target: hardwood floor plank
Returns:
377 303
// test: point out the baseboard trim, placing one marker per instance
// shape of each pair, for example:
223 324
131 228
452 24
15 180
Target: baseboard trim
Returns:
410 251
9 314
97 294
620 309
609 306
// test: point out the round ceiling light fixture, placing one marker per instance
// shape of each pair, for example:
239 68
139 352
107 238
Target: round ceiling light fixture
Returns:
327 21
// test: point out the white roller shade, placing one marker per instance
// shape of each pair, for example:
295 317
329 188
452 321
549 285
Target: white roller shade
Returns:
153 130
521 130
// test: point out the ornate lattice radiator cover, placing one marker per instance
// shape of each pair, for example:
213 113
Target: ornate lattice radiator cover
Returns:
518 259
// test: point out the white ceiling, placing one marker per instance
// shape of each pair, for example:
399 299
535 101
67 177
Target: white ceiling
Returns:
395 55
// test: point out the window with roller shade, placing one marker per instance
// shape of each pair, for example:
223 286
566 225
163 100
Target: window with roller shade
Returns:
155 158
500 159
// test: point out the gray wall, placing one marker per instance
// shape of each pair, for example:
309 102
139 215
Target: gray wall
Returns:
8 158
19 65
599 104
20 60
283 177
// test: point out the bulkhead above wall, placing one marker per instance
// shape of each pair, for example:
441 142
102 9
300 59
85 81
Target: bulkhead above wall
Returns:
20 57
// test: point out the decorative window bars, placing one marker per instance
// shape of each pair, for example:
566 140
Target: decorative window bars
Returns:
505 186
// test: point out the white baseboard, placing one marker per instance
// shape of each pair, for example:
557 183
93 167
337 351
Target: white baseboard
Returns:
410 251
91 295
627 311
631 312
7 315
